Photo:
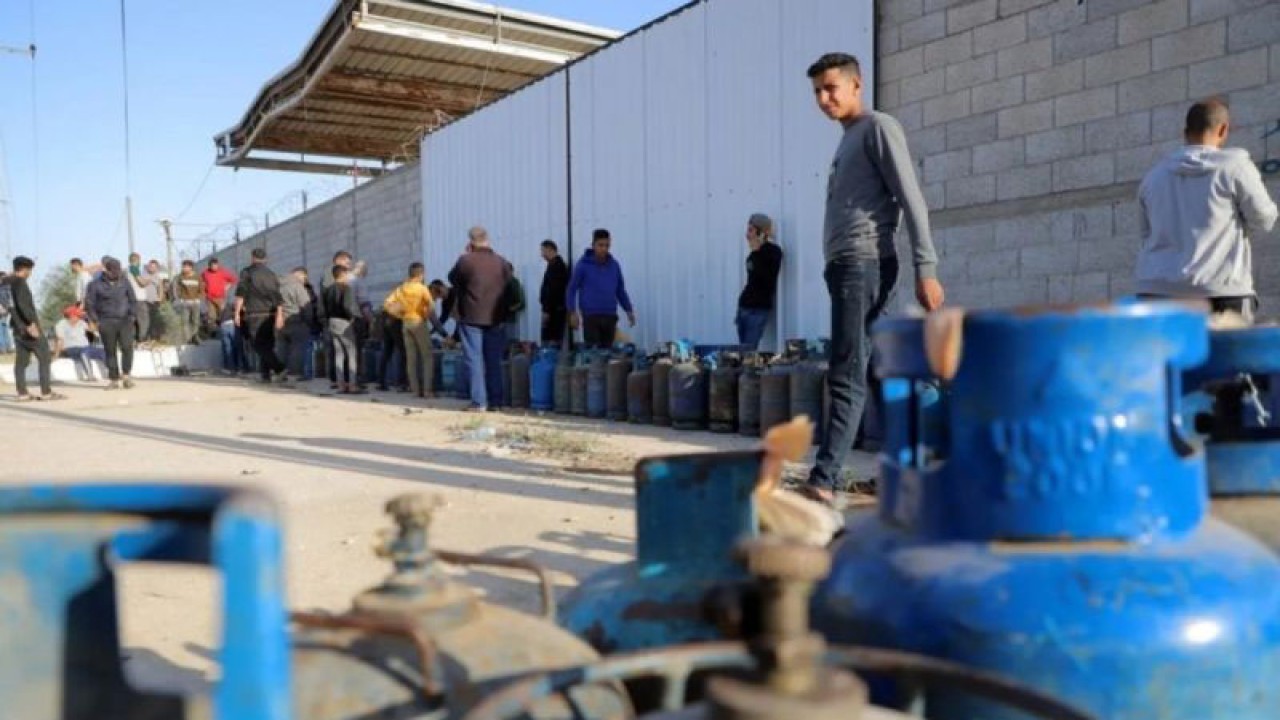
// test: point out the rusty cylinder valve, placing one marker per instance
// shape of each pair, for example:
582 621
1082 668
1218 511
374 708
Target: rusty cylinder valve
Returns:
795 683
406 546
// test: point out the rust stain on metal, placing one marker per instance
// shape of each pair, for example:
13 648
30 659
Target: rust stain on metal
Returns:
402 628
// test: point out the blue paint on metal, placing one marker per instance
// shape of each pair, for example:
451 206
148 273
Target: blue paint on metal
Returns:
690 513
1242 448
542 379
1053 528
58 551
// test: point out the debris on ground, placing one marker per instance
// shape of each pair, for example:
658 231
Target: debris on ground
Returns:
575 452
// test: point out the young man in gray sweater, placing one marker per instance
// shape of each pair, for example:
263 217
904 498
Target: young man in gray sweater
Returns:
871 187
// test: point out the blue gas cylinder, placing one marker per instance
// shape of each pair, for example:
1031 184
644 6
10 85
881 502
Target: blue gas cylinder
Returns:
598 384
691 511
1058 532
1230 411
542 379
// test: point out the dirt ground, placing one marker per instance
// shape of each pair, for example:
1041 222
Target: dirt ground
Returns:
553 489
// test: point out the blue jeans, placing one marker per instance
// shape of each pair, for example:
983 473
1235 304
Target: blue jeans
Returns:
83 357
309 358
482 347
751 327
6 337
232 355
861 291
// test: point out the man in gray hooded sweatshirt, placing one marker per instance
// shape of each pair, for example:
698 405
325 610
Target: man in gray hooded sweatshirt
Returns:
1201 207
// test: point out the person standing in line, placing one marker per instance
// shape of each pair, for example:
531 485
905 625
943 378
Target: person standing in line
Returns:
83 277
28 335
6 311
871 187
764 263
345 260
446 300
111 305
299 320
190 292
595 292
139 281
1201 207
157 291
555 289
258 296
216 279
412 303
317 330
340 311
233 360
480 279
71 341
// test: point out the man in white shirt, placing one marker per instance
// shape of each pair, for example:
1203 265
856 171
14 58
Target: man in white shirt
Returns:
83 278
71 340
139 281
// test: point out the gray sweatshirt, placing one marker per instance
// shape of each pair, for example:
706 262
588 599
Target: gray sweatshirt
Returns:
872 183
1200 209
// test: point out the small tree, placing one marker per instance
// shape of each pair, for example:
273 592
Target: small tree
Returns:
57 291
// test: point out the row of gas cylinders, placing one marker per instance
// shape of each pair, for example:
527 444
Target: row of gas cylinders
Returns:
716 389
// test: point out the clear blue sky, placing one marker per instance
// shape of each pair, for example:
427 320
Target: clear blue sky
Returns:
194 66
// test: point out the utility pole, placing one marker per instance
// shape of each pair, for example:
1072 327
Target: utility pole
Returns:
168 247
6 227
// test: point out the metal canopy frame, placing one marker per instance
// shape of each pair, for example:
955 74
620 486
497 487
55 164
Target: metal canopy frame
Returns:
379 74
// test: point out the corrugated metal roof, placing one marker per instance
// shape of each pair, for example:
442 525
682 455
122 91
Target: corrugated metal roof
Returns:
380 73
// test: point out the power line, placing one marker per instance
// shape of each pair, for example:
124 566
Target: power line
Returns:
35 130
196 196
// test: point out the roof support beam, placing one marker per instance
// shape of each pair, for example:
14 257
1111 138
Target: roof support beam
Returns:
307 166
380 89
468 41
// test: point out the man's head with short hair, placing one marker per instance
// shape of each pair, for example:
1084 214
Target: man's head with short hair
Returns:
22 266
601 242
478 237
1208 123
188 265
343 258
77 264
837 86
417 271
549 250
339 272
300 273
438 289
134 258
213 263
259 255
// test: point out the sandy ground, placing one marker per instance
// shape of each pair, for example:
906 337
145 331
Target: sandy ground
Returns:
331 463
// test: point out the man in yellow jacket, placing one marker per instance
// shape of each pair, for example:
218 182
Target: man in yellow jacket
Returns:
412 303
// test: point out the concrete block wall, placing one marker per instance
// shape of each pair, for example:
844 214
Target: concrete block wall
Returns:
1032 121
379 222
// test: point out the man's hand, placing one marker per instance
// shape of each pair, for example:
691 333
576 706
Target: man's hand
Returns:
279 321
929 294
574 321
631 318
33 331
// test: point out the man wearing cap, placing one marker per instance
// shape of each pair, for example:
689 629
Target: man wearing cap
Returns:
71 341
258 298
110 306
757 298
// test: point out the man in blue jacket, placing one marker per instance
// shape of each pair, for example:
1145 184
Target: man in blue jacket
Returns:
596 290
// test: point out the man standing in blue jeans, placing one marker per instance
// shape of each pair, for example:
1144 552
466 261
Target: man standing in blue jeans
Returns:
757 298
480 280
871 187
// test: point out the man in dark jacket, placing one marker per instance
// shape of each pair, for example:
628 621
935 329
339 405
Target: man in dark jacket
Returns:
112 308
757 298
28 336
258 296
555 285
596 290
480 280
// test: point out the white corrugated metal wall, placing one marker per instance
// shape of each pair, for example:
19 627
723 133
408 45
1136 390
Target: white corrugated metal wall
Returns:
679 133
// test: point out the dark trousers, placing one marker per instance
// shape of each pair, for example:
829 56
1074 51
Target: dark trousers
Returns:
84 357
295 342
117 340
860 291
750 323
553 327
262 333
599 330
143 320
26 347
482 347
392 370
1246 306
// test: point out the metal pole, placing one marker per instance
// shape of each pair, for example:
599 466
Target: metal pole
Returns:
128 213
168 247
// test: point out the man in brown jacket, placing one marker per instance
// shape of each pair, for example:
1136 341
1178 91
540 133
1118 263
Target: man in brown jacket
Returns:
480 280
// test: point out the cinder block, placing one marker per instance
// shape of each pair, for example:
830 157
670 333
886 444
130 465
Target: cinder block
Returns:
900 11
1205 10
947 107
1015 7
1085 106
935 5
1084 41
947 165
1133 164
901 64
1156 18
1155 89
1114 254
1188 46
1056 17
1083 172
971 72
1275 62
1023 230
1090 287
971 15
927 142
1127 217
1259 106
911 116
998 95
1121 64
1053 259
1055 81
924 86
1116 133
994 264
1060 289
1055 144
977 190
997 156
948 51
1024 182
1167 123
1099 9
1019 291
1234 72
935 195
888 39
1024 58
1089 223
970 131
999 35
1025 119
968 239
889 95
923 29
